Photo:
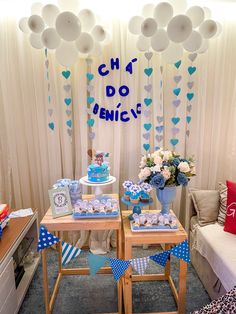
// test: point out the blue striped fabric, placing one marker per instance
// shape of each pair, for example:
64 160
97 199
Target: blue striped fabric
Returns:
69 252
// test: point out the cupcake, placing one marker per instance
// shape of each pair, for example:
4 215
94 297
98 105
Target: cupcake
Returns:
145 190
127 185
135 193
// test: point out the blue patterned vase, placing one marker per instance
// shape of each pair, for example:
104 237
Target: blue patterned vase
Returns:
166 197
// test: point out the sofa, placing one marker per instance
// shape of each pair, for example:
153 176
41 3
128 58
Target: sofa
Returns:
213 251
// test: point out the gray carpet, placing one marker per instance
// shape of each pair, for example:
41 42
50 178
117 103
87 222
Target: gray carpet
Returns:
90 295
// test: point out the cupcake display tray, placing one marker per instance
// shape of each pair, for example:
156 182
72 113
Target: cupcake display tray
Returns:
154 228
96 215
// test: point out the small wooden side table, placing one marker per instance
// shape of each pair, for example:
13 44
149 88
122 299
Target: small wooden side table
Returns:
68 223
167 238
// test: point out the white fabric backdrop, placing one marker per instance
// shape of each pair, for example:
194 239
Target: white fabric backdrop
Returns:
32 157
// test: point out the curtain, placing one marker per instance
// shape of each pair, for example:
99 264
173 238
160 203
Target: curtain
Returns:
33 157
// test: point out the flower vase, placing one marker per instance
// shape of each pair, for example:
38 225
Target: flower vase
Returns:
166 197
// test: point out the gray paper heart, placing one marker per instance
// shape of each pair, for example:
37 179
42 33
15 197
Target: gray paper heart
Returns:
189 108
176 103
148 87
91 135
47 64
89 61
188 133
175 131
50 112
146 136
190 84
161 69
159 119
48 86
177 78
159 138
69 131
192 56
90 111
148 55
67 87
147 113
90 88
68 112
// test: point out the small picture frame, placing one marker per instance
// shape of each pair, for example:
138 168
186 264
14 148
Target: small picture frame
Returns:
60 202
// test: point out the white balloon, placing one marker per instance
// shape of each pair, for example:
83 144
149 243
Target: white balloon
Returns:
160 40
36 23
207 13
134 25
163 13
149 27
84 43
219 30
179 28
66 54
36 8
50 13
107 40
87 19
143 43
204 46
179 6
35 41
147 10
97 50
50 38
196 15
69 5
98 33
173 53
68 26
194 42
23 25
208 29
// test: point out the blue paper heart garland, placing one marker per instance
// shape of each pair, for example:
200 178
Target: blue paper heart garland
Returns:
68 102
90 100
159 137
51 123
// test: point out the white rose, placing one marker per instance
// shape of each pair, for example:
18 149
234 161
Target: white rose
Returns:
166 173
184 166
156 168
142 164
167 155
158 160
146 171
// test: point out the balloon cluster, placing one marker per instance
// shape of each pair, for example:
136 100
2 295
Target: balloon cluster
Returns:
160 29
60 29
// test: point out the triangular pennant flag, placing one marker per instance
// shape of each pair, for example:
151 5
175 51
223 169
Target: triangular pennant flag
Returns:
140 264
161 258
46 239
181 251
95 263
69 252
118 267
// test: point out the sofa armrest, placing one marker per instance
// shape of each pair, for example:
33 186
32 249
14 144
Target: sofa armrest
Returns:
190 211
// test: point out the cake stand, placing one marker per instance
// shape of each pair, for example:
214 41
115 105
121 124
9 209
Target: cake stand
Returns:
96 185
137 208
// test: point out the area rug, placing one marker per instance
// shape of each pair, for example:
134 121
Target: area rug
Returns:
90 295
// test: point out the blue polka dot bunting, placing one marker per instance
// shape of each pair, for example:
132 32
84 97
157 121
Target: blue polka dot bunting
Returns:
182 251
46 239
161 258
118 267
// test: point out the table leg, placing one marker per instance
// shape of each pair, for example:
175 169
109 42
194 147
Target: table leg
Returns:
119 255
167 268
128 279
59 251
45 281
182 286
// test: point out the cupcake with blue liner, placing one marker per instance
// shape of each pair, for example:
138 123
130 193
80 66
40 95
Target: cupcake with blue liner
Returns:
127 185
135 190
145 190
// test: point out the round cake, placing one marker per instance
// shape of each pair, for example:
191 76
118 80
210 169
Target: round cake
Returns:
98 171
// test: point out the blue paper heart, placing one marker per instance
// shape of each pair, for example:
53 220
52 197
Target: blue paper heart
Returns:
90 100
176 91
175 120
174 141
160 128
191 70
190 96
147 126
69 123
178 63
148 71
90 76
51 125
49 98
66 74
147 101
188 118
67 101
146 147
90 122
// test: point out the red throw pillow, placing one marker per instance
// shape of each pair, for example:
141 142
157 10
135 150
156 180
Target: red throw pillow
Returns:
230 220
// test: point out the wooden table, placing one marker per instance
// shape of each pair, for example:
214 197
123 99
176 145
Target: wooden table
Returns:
165 238
68 223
